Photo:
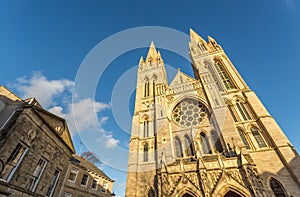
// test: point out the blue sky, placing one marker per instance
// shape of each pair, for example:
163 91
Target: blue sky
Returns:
43 44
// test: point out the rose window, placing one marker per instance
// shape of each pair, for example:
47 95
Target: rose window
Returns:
189 112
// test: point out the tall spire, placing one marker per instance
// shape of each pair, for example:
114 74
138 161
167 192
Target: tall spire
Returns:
153 54
195 37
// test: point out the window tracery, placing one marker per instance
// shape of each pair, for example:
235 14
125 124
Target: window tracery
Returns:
243 111
244 139
224 75
260 141
277 188
189 112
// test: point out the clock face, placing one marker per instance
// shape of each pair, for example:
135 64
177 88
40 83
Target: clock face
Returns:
189 112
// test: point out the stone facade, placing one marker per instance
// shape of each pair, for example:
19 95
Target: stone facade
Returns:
85 179
205 136
35 147
37 153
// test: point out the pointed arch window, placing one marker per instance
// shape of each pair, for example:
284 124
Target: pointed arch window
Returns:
146 128
205 144
277 188
231 110
243 111
145 152
188 146
224 75
244 139
178 147
151 193
217 140
260 141
213 76
146 88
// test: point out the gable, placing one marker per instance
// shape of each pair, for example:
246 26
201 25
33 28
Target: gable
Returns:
183 83
58 125
182 78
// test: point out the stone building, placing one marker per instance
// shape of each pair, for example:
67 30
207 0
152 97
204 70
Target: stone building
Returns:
35 147
37 154
205 136
85 179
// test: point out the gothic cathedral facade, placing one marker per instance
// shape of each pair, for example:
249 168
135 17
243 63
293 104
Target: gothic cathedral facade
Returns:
208 136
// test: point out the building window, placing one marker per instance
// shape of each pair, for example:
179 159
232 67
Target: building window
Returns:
67 194
95 184
224 76
244 139
146 128
84 180
230 108
105 186
277 188
41 165
213 76
188 146
217 140
145 152
73 175
243 111
261 143
146 88
189 112
53 183
178 147
151 193
205 144
14 161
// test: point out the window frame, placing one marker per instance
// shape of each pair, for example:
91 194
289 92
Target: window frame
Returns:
76 174
145 152
36 181
258 137
86 181
178 148
244 139
97 182
53 183
67 194
14 155
104 186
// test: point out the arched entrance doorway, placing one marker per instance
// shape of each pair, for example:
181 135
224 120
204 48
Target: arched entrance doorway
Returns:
232 194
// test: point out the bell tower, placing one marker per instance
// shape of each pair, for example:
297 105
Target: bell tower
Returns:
242 119
208 135
149 114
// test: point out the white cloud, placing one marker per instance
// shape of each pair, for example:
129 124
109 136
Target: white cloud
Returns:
81 116
111 142
45 91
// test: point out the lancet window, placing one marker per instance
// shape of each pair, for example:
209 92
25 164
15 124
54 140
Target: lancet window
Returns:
224 75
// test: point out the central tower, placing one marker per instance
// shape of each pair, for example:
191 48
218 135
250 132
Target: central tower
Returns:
205 136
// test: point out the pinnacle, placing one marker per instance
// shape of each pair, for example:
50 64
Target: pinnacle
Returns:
152 51
210 39
141 60
153 55
196 37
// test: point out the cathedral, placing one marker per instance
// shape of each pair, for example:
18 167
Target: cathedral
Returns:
207 135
